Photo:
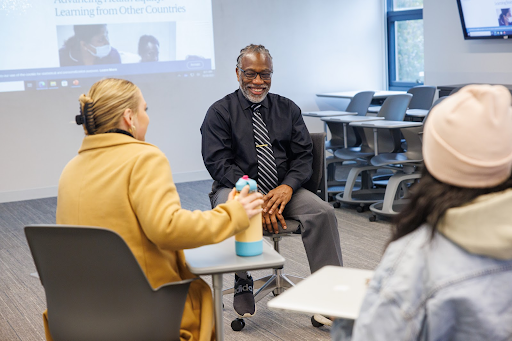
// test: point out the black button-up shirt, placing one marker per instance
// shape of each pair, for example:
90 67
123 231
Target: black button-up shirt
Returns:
228 147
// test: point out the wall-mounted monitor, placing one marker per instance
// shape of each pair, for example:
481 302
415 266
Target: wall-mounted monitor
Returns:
486 19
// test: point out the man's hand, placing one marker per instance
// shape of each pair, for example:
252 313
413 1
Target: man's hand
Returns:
269 222
277 199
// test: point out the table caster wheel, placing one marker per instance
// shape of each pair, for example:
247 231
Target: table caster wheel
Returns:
237 324
360 209
315 323
372 218
337 204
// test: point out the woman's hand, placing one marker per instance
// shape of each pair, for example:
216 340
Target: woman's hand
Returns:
251 202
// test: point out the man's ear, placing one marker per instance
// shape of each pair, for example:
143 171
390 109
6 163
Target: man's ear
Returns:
237 74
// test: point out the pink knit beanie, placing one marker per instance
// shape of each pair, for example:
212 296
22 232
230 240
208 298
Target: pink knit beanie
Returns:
467 140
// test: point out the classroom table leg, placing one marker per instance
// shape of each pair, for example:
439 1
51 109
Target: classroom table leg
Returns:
217 301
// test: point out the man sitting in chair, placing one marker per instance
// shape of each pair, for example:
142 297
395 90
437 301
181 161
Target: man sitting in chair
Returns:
263 135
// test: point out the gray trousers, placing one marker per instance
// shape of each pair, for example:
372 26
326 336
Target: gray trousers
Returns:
319 226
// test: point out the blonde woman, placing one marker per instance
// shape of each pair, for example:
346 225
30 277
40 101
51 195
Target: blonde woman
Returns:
120 182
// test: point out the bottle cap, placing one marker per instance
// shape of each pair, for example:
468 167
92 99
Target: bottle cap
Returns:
244 181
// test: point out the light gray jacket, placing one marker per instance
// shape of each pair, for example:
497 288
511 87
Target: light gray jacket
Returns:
436 289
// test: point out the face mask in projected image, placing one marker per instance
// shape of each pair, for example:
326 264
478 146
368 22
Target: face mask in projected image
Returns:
101 51
89 40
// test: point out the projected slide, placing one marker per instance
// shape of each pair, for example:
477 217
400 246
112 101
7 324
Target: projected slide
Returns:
56 43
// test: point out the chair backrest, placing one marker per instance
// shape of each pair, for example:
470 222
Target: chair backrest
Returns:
454 90
422 96
318 178
96 290
394 107
414 137
360 102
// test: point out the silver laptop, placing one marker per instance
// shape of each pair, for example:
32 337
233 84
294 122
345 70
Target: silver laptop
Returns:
331 291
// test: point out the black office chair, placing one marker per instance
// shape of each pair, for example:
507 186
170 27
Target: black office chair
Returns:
278 281
96 290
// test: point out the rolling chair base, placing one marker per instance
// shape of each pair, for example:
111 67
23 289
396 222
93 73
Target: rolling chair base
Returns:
395 196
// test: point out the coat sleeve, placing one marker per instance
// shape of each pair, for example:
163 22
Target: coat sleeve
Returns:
217 150
156 204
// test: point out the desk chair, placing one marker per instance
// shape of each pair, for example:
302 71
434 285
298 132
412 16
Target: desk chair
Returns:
278 281
411 165
359 104
393 109
96 290
423 96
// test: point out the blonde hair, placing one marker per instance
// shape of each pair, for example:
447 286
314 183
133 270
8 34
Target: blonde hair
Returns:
102 108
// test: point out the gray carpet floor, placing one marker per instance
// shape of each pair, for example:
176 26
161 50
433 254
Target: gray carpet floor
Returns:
22 297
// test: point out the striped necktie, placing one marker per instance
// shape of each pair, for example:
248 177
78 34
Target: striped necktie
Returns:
267 170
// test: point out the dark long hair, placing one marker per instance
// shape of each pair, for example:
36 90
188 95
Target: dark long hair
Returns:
431 199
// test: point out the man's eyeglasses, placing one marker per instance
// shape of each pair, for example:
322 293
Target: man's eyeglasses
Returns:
250 74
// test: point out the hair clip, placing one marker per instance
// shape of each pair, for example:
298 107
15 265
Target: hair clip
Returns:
79 119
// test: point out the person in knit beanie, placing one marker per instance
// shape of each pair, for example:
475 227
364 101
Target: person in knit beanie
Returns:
447 272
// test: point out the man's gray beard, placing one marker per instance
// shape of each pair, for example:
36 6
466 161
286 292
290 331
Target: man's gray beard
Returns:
251 98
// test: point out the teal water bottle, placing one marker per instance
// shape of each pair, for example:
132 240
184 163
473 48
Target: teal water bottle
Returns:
250 241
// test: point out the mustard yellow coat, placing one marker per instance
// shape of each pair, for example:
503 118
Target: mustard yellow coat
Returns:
126 185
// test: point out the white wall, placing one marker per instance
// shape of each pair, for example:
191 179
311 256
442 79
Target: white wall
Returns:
449 59
317 46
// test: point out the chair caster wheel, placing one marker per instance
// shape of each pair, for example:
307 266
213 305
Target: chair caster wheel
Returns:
360 209
372 218
337 204
237 324
315 323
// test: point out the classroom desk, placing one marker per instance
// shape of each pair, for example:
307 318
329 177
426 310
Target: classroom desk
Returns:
416 112
331 291
218 259
379 95
408 112
376 125
327 113
346 120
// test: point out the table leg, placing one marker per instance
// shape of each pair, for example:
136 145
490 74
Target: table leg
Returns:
345 139
375 141
217 301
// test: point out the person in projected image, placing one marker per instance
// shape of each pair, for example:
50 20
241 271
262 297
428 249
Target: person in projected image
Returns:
505 18
120 182
149 49
88 46
254 132
447 272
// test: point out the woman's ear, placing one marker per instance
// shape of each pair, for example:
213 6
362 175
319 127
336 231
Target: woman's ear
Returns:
127 118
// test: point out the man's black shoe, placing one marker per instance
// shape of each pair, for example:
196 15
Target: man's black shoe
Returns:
244 297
